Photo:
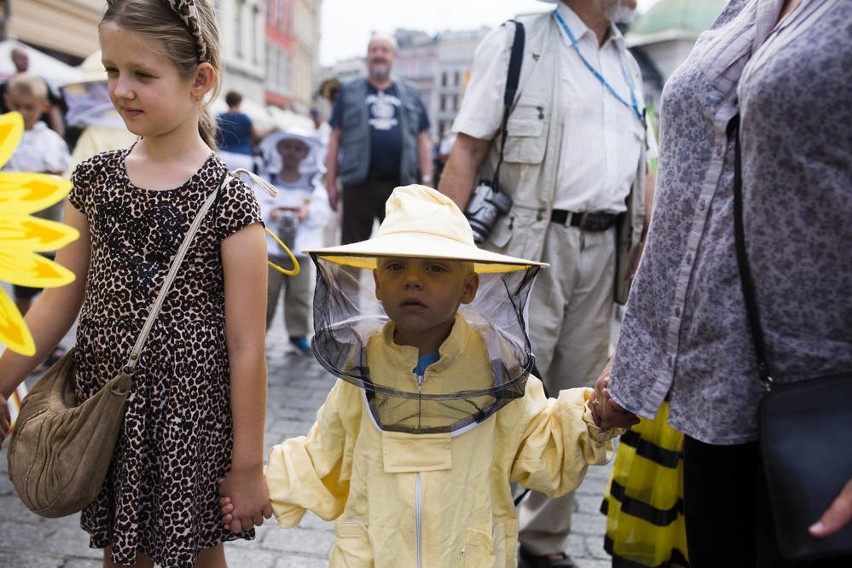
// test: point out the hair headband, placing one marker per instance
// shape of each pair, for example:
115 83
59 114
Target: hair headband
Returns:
188 12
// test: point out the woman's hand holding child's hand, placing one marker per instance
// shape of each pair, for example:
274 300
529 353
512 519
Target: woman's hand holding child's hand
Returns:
244 500
606 412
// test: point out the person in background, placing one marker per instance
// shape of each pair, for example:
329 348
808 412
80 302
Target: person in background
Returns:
196 409
237 135
785 67
52 115
322 132
379 140
574 165
41 150
298 215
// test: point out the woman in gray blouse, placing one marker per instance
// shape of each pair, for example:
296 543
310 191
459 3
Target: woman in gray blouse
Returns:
786 67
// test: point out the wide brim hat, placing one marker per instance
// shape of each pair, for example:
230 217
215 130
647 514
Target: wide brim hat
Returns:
422 223
268 147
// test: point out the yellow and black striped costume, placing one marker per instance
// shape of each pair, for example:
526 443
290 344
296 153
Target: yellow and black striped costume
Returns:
644 500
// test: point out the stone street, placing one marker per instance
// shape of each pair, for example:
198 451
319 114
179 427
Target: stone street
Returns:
297 387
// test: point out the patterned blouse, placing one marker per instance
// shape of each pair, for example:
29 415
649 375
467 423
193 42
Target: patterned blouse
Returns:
684 335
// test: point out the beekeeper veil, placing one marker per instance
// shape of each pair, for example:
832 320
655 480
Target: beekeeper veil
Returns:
349 321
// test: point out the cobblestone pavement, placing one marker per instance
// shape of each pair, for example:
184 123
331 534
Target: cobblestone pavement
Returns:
297 387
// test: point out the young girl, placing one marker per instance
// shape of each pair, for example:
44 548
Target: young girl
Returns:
196 410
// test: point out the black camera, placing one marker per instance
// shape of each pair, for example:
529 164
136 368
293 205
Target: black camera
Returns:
485 207
288 223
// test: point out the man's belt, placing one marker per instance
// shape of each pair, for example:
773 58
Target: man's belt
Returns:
585 221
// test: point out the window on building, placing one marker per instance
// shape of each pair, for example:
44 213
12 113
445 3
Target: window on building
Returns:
456 79
238 29
444 79
255 41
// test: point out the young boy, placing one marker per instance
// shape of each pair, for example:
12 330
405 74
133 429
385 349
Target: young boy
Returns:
414 452
298 215
41 150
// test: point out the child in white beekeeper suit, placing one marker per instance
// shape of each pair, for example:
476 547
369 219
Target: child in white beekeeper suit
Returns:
414 450
298 214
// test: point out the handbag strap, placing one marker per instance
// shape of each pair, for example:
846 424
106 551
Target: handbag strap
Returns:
130 366
746 279
512 79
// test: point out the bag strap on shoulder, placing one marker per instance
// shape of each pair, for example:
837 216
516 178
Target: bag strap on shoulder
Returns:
513 76
746 278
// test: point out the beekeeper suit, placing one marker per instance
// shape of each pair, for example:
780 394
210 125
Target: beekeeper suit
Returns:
415 466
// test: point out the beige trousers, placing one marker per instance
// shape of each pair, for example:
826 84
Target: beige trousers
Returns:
571 318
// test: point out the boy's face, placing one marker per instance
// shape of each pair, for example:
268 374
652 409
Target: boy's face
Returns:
292 153
422 296
30 106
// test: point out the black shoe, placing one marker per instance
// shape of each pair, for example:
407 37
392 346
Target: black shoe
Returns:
300 344
528 560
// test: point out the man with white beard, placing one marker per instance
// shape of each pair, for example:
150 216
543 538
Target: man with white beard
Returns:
379 140
574 164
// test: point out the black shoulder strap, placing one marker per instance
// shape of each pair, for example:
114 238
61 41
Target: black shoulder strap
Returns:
746 278
513 77
515 60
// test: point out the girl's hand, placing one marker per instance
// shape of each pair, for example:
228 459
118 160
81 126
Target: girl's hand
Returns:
244 491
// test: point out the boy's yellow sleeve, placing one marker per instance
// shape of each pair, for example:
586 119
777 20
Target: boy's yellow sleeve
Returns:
308 473
559 442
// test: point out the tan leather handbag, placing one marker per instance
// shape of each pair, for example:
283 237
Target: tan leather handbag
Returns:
60 450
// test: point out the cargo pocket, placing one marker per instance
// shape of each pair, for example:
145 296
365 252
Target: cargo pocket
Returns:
352 547
526 136
478 551
519 233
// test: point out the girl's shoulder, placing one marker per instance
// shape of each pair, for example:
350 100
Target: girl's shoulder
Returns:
110 160
92 175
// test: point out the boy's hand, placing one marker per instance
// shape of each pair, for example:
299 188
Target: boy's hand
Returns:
247 499
606 412
226 508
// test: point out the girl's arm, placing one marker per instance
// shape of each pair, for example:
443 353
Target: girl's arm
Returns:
244 263
52 314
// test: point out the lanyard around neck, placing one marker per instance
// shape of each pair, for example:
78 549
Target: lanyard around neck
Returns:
633 104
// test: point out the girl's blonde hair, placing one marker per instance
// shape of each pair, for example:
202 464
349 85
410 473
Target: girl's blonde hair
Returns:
171 38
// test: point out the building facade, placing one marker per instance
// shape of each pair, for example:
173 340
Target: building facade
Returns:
64 29
292 48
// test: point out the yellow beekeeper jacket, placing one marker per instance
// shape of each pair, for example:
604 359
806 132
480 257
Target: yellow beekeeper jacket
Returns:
431 500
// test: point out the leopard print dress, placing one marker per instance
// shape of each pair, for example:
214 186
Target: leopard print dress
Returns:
160 496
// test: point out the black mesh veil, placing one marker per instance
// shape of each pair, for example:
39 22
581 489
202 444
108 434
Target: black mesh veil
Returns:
349 323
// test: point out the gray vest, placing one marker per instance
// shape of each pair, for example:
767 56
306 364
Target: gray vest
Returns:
353 159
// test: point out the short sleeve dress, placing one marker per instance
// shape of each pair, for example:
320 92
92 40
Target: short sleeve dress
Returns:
160 496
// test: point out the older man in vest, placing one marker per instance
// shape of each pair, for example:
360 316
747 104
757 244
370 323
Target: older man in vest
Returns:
379 140
574 164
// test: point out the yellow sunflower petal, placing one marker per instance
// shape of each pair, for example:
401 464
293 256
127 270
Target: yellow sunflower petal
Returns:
26 268
11 130
22 193
32 233
13 332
